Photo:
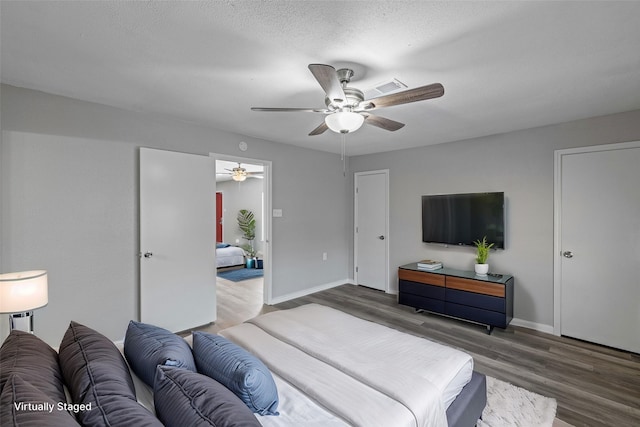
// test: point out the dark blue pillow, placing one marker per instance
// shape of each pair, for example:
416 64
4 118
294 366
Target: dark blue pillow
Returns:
98 378
238 370
34 361
17 394
222 245
147 346
185 398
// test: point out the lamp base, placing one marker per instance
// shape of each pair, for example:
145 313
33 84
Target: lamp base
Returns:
22 321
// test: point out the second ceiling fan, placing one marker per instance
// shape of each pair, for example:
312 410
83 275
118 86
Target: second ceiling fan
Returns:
346 109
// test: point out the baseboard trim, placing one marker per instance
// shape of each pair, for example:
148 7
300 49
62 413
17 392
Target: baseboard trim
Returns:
305 292
532 325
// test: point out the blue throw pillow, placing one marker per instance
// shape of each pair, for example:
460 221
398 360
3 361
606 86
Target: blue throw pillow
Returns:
185 398
237 369
222 245
147 346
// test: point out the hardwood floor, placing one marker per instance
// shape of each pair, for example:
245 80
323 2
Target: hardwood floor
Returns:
237 302
593 385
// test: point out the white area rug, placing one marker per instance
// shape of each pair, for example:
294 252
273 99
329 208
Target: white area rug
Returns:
511 406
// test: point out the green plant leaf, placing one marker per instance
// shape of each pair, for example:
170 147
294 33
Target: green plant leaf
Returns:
482 250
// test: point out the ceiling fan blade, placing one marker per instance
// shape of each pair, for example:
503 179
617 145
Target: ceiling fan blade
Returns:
328 79
383 122
320 129
286 110
422 93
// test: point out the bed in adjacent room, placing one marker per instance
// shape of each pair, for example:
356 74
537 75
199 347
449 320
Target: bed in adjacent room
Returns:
334 369
228 255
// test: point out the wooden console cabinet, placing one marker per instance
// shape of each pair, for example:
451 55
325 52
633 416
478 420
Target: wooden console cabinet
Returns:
486 300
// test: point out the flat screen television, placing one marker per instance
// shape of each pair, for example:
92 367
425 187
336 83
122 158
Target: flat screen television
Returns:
461 219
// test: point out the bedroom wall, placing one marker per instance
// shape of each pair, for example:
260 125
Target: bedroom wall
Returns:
69 204
241 195
519 163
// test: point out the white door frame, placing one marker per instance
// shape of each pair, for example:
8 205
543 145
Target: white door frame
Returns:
386 226
557 223
267 219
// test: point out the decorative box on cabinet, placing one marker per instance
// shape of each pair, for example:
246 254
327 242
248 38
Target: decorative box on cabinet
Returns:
487 300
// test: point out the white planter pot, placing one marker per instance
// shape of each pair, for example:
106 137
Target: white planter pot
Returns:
482 269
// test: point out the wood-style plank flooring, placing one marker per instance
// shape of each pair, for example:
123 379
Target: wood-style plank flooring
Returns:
593 385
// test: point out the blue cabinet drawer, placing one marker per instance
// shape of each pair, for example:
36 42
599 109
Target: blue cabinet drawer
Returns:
415 288
416 301
476 300
476 314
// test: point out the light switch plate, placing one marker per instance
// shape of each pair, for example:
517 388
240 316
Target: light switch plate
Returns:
277 213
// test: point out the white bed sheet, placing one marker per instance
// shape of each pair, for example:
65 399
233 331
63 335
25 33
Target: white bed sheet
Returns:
297 408
346 363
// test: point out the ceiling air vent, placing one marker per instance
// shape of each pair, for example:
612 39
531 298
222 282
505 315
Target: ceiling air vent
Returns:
384 88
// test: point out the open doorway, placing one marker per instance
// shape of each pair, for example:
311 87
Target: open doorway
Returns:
243 219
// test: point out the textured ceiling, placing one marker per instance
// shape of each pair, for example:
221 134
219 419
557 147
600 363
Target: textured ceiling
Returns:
504 65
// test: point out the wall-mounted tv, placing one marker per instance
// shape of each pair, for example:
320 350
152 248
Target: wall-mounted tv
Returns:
461 219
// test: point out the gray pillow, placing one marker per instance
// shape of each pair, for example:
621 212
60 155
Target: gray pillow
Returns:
237 369
185 398
97 375
147 346
15 411
32 359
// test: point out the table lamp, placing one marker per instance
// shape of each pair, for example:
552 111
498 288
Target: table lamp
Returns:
20 294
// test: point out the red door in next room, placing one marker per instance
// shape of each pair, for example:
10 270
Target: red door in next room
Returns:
218 217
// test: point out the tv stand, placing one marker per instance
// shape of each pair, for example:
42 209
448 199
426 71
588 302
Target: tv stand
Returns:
485 300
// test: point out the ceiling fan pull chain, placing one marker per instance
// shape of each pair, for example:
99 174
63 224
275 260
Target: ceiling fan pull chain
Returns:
343 158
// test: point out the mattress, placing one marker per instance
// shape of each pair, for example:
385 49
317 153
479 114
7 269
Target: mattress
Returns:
352 371
229 256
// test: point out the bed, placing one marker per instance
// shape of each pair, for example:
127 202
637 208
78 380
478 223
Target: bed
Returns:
334 369
228 255
330 369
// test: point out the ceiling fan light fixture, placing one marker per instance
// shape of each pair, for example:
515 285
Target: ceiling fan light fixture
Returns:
344 121
239 174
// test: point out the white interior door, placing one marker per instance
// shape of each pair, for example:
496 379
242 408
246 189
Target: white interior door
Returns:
177 239
599 247
371 229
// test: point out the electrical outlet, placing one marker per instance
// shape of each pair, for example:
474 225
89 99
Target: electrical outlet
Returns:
324 256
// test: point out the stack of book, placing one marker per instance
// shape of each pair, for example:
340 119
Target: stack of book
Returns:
429 264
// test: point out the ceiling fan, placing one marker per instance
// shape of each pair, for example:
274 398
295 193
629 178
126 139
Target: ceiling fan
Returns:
240 174
346 109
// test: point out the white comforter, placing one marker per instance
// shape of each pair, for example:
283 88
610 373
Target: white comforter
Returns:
363 373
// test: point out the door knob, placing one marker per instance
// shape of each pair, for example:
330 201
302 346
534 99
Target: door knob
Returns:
381 237
567 254
148 254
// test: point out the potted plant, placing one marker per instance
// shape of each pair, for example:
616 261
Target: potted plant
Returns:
247 224
482 254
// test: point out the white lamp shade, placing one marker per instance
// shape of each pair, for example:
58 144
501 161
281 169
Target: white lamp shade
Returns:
344 121
23 291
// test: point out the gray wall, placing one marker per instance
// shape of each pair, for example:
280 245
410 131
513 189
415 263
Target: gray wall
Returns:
70 202
519 163
69 180
236 196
